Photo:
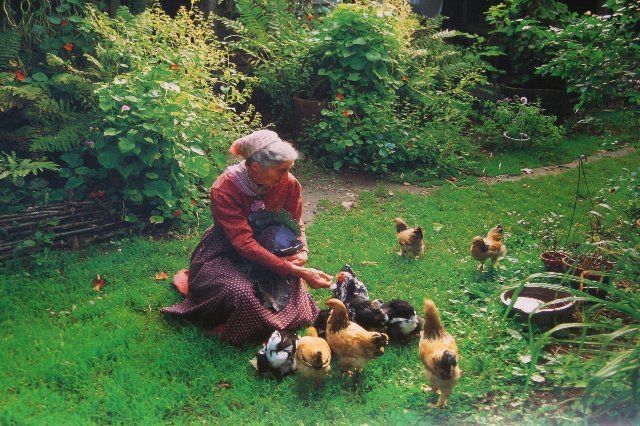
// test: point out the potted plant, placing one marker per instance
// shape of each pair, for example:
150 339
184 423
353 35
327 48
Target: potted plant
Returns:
553 257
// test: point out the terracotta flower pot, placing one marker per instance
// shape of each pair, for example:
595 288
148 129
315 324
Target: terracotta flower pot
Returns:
587 263
307 112
553 260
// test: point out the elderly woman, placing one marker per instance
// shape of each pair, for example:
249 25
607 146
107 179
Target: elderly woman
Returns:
234 282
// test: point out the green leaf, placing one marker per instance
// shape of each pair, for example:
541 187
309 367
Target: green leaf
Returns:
73 159
111 132
109 157
156 219
126 171
55 20
373 56
360 41
73 182
152 176
197 150
126 145
354 76
131 99
40 77
158 188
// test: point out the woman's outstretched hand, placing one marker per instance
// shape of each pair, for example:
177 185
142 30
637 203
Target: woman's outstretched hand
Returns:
314 277
299 258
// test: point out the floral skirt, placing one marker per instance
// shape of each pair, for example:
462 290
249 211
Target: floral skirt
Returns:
221 292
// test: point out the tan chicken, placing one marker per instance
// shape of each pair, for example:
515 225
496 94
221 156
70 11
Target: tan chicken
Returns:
439 354
353 345
411 240
313 356
490 247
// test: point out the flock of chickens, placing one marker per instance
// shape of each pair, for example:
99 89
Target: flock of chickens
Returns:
355 329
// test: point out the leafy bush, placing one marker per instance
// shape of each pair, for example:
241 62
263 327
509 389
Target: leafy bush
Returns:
386 77
522 26
169 105
513 124
598 55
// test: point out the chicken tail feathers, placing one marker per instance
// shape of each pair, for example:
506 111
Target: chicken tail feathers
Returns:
401 225
312 332
417 233
433 328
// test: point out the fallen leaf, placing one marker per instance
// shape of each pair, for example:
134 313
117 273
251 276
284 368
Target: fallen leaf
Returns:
406 183
368 262
437 226
453 179
161 276
526 171
224 385
98 283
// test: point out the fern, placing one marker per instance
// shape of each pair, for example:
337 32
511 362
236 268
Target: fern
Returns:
64 139
9 47
18 168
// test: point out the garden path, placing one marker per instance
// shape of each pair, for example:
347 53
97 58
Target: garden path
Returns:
344 188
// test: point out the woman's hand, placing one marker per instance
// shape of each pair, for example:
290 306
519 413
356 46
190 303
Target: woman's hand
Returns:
298 259
314 277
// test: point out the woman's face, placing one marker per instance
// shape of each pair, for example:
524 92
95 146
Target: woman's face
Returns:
270 175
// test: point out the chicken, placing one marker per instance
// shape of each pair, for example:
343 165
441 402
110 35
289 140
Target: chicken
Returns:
411 240
355 296
353 345
313 356
490 247
277 356
320 324
348 288
403 322
439 354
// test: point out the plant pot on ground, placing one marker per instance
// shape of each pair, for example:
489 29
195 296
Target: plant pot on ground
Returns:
553 260
592 268
307 111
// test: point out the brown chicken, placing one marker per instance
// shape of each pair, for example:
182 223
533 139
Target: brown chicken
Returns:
353 345
313 356
439 354
490 247
411 240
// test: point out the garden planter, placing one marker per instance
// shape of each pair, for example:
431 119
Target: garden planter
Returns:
553 260
307 112
533 296
554 102
593 264
517 141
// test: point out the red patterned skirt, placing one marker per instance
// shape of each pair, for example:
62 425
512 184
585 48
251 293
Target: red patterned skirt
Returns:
220 292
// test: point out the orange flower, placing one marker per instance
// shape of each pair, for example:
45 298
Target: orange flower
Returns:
310 17
347 113
68 47
64 23
20 75
339 96
405 78
174 67
177 213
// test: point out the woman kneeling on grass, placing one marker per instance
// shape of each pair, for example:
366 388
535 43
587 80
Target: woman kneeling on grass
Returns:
242 281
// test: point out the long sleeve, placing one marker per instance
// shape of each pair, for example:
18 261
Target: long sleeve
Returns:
294 207
228 213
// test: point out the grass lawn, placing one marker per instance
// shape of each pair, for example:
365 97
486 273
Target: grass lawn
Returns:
72 355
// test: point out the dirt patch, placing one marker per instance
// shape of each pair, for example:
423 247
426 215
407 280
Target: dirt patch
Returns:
345 187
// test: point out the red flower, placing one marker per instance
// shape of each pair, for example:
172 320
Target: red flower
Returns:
310 17
174 67
93 195
177 213
193 202
20 75
68 47
347 113
340 96
100 194
64 23
405 78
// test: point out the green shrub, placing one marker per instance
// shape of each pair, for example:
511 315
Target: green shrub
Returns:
598 55
513 124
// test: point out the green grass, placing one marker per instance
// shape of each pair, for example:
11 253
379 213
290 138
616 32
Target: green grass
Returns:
72 355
